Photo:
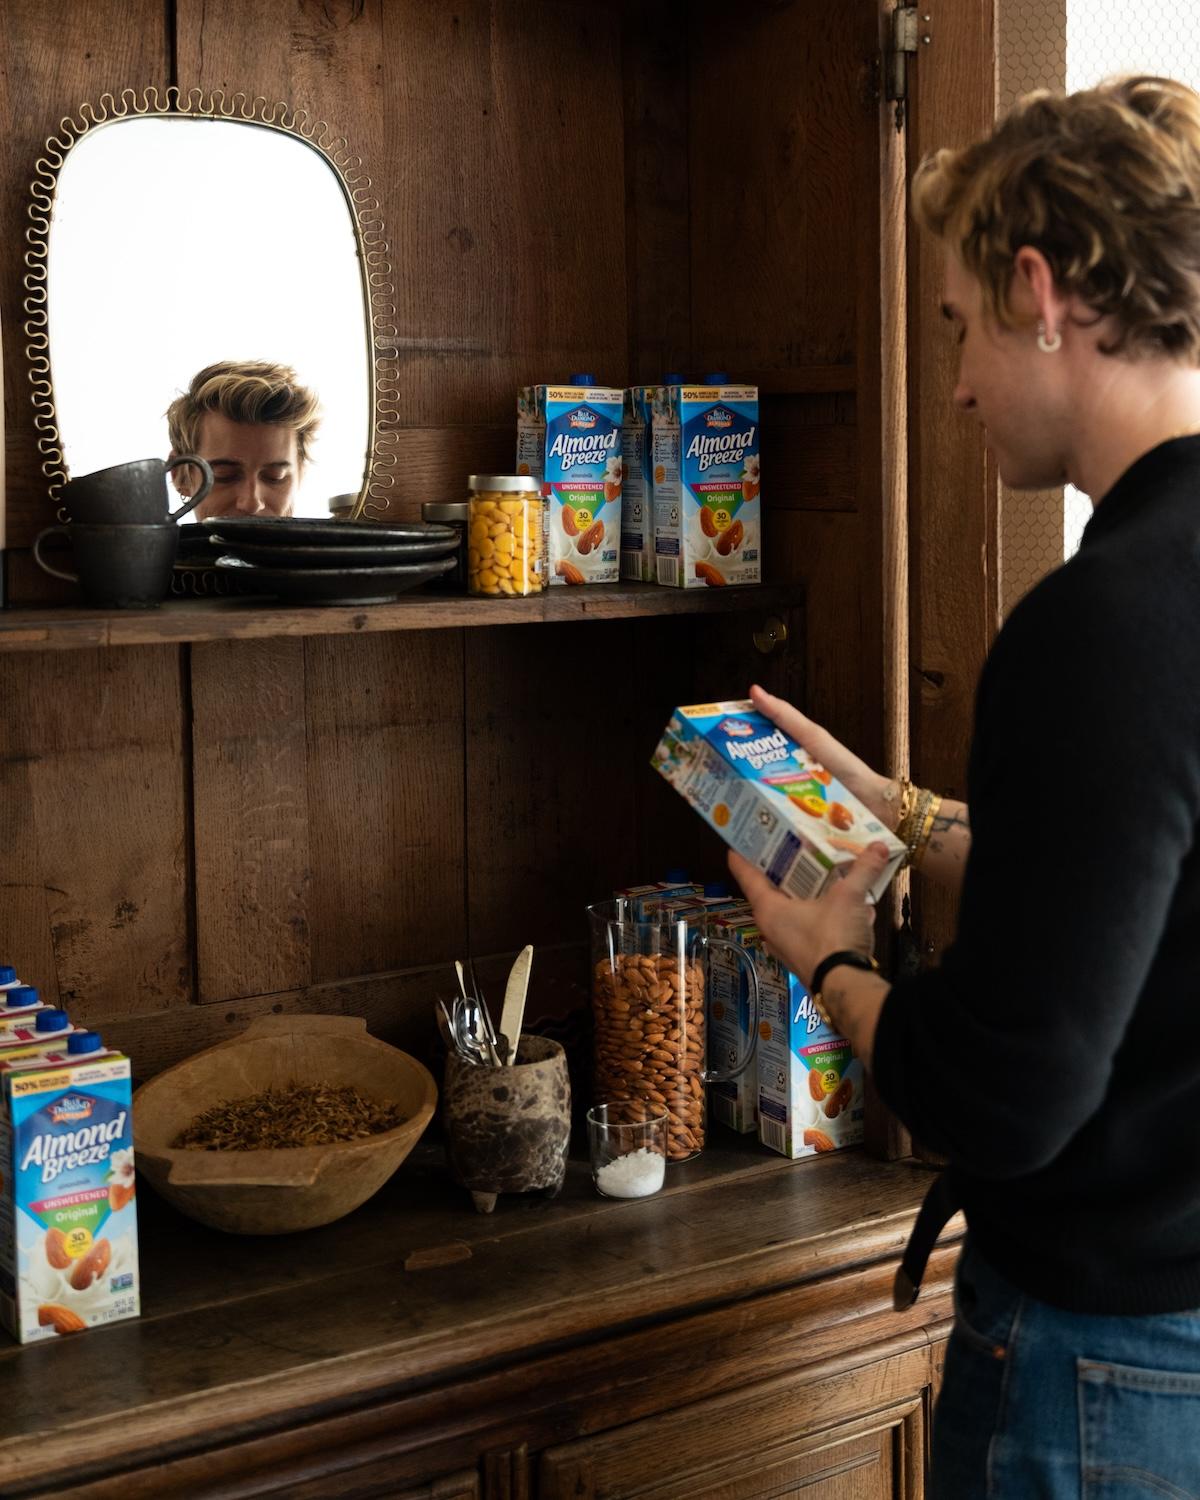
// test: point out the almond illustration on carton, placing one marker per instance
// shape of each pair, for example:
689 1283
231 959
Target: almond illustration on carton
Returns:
840 1099
729 541
568 520
92 1266
62 1319
707 524
591 538
712 576
816 1088
56 1249
614 478
119 1196
840 816
818 1140
569 571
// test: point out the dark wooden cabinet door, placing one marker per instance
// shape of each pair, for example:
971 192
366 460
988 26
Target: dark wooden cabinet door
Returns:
856 1435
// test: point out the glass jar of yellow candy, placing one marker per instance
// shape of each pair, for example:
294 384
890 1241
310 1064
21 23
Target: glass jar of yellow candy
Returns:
506 535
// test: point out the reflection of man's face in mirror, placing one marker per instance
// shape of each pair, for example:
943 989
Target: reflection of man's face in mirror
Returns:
256 468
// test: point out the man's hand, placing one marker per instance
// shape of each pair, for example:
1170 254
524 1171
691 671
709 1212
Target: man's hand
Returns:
801 933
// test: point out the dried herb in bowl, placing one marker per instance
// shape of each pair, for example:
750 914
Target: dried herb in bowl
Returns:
312 1114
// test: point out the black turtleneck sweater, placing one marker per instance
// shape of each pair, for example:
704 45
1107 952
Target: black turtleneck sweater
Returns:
1054 1056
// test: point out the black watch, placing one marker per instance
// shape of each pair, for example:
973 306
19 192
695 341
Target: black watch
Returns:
845 956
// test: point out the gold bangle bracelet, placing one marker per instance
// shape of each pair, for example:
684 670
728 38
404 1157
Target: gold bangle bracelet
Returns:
909 831
922 843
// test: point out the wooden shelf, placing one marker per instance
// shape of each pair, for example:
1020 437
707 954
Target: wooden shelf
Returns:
243 1335
78 628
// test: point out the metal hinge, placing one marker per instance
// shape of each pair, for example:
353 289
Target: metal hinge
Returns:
907 35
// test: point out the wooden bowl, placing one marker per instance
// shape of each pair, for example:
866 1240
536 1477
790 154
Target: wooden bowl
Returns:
278 1191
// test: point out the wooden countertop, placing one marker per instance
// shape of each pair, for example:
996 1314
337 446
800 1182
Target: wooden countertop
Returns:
415 1289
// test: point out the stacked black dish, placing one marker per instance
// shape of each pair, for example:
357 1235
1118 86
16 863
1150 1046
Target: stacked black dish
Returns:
329 562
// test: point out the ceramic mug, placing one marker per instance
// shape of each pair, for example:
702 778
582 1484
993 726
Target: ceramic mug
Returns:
120 567
132 494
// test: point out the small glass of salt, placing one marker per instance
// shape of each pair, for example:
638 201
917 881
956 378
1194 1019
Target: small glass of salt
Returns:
629 1149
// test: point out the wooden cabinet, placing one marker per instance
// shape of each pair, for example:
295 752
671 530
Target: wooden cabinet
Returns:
289 811
856 1435
733 1336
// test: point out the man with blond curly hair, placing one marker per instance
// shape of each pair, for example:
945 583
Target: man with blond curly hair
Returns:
1053 1055
254 423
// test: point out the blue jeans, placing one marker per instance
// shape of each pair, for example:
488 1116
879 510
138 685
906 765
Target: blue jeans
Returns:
1042 1404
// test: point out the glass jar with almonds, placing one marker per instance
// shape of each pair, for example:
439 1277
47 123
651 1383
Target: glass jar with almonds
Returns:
506 535
649 986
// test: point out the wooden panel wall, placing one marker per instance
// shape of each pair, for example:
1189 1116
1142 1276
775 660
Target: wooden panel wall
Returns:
566 184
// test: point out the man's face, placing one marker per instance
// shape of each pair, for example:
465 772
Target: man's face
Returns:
255 468
1005 382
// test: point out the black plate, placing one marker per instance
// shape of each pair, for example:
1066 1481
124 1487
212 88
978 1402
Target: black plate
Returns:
291 531
332 585
370 555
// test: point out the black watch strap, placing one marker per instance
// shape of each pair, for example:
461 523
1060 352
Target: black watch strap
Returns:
835 960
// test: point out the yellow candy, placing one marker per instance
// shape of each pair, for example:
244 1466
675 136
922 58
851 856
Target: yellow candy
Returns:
487 548
501 566
487 580
505 545
506 586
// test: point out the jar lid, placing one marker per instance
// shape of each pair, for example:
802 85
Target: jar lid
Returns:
343 502
445 510
515 483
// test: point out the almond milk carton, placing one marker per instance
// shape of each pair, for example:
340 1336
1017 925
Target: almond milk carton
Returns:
68 1217
768 798
569 439
810 1085
707 510
637 503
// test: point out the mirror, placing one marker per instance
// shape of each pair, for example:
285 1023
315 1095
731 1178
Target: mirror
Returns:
183 242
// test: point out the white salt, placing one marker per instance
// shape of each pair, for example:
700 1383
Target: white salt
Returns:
636 1175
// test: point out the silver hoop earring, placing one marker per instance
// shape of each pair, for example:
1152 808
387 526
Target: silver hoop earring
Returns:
1048 344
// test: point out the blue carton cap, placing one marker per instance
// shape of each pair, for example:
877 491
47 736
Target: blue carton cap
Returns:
716 888
84 1041
672 377
8 975
718 377
582 379
21 997
676 876
52 1020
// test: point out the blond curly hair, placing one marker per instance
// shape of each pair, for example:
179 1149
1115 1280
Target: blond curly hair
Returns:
1106 184
251 390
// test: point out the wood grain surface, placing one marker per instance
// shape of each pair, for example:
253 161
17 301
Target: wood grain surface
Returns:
220 1380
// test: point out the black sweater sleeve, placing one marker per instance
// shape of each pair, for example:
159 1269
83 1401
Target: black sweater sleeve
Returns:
1084 797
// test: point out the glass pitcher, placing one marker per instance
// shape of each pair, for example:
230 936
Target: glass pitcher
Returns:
649 987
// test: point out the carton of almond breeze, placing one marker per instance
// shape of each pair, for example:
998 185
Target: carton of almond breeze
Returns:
68 1215
707 501
637 501
768 798
569 439
810 1085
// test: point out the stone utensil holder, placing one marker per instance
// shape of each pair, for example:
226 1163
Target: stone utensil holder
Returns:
507 1129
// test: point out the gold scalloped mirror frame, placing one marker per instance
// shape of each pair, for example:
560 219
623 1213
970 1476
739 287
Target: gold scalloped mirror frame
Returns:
379 301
